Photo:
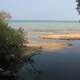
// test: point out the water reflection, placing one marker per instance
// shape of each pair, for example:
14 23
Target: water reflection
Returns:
57 65
27 70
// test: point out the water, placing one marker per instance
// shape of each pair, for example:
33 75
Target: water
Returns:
63 64
53 25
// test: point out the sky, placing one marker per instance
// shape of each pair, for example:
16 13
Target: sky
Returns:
40 9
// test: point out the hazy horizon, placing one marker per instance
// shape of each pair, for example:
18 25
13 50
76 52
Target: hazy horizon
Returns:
40 9
45 20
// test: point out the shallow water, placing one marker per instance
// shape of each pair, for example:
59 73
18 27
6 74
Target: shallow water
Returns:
62 64
57 65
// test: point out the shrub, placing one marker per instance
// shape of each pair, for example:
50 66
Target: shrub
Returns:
11 44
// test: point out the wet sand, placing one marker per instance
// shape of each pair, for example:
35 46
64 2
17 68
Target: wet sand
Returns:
49 46
67 36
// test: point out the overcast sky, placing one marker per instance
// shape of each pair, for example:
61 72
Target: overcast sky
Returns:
40 9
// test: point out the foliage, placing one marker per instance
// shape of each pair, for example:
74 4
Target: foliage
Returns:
4 15
11 44
78 6
12 47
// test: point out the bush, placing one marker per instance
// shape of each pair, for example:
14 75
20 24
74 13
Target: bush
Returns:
78 6
11 44
12 48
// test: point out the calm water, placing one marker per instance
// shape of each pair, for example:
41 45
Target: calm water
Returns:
60 25
62 64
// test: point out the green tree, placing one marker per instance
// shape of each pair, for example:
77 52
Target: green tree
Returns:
78 6
11 44
12 47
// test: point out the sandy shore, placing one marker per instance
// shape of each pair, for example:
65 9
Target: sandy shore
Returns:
68 36
54 45
49 46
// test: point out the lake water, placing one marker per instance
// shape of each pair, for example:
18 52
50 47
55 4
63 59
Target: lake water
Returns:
62 64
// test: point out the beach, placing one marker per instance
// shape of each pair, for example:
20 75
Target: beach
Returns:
67 36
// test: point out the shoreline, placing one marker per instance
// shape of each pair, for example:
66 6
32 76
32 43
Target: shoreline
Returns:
67 36
49 45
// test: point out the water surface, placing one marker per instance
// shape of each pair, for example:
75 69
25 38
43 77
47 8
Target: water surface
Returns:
63 64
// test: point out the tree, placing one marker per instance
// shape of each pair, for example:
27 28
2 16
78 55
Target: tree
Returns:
11 44
12 47
78 6
4 15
